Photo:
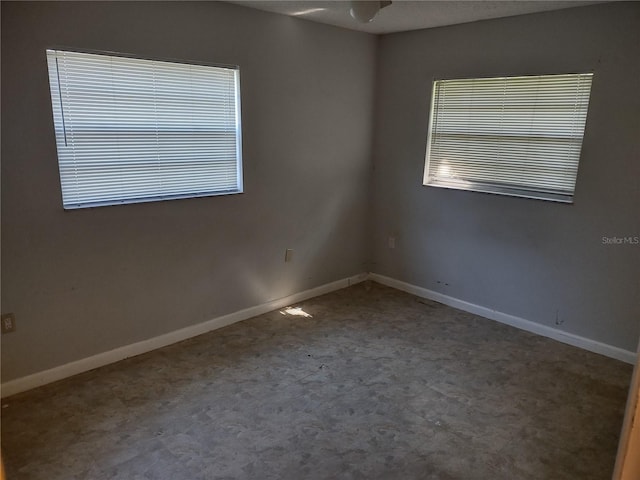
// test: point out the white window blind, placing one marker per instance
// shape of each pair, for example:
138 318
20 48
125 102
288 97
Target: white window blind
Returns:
136 130
517 136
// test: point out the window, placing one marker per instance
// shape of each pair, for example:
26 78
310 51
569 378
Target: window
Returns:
516 136
136 130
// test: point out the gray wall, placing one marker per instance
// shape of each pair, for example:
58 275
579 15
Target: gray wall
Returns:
86 281
83 282
528 258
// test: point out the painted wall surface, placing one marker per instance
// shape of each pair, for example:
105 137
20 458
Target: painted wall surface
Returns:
86 281
542 261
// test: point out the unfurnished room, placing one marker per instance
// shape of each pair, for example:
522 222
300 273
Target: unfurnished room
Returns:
320 240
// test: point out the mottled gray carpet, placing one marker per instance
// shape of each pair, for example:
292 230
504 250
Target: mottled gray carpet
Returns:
364 383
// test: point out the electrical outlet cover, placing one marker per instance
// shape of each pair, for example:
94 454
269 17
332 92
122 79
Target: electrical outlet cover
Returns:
288 255
8 323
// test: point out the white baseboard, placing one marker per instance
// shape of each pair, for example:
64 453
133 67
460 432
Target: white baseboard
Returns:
521 323
79 366
83 365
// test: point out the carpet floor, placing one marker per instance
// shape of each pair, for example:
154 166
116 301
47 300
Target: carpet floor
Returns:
363 383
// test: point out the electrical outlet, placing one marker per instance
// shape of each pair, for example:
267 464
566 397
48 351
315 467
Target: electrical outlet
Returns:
8 323
288 255
392 242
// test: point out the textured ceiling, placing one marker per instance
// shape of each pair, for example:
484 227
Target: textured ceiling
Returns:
405 15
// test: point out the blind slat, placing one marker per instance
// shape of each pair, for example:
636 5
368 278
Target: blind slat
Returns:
514 135
130 130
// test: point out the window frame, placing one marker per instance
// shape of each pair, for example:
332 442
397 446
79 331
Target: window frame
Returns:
156 198
506 190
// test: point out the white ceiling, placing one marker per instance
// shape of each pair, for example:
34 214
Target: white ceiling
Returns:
405 15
